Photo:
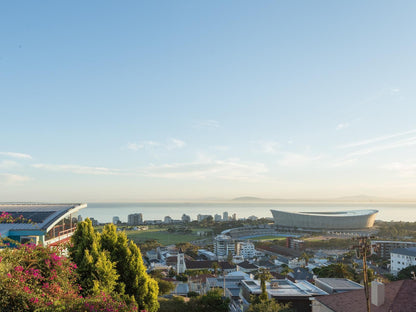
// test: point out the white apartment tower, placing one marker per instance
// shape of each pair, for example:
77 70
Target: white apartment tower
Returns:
223 246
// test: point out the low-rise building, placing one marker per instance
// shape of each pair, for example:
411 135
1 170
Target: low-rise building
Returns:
285 291
401 258
246 249
337 285
384 248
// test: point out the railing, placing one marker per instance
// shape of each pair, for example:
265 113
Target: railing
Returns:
62 235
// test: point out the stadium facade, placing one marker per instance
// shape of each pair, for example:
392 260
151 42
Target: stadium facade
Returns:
336 220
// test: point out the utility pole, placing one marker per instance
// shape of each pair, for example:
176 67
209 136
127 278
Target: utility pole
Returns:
362 248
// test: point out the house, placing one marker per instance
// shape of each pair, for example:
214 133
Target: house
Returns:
246 267
285 291
337 285
398 296
48 224
300 273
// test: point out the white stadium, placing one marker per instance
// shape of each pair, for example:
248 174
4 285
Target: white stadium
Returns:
336 220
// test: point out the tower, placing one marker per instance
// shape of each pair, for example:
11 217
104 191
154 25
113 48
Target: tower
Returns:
180 264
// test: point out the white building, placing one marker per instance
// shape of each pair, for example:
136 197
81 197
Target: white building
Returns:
246 249
225 216
200 217
168 220
135 219
223 246
401 258
217 218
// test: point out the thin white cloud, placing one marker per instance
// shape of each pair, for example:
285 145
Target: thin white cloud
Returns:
87 170
230 169
393 145
175 143
377 139
342 126
269 147
16 155
210 123
170 144
11 179
8 164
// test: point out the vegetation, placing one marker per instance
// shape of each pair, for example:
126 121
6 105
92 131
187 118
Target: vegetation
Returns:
268 305
396 230
337 270
407 273
37 278
212 301
110 263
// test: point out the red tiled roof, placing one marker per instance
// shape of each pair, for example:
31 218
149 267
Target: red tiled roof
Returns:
400 296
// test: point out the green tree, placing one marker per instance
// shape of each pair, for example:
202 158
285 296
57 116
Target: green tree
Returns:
263 275
285 270
407 273
165 287
337 270
129 264
305 257
268 305
212 301
96 271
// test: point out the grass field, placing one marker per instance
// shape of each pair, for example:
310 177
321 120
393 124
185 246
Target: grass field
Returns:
163 236
268 238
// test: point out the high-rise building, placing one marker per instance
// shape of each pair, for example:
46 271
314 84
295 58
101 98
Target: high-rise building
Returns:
223 246
116 220
200 217
234 217
225 216
135 219
217 218
168 220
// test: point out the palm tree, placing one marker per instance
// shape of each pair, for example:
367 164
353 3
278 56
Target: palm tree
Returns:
285 269
305 257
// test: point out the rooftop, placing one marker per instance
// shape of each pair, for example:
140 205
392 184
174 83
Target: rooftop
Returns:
285 288
43 216
411 251
399 296
339 283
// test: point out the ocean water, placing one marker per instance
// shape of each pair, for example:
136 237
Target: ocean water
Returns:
104 212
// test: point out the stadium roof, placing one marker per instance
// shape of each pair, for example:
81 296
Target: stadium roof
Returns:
42 216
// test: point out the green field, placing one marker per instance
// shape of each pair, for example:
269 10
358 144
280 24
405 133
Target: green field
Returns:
163 236
268 238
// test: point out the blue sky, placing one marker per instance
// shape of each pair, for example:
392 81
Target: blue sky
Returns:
193 100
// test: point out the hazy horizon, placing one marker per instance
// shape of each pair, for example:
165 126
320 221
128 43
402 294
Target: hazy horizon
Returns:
187 101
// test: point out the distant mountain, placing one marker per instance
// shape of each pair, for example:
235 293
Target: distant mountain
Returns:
247 198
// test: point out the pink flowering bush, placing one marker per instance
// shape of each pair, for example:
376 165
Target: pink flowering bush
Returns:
37 278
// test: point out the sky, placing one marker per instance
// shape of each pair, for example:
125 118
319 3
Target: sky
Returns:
201 100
